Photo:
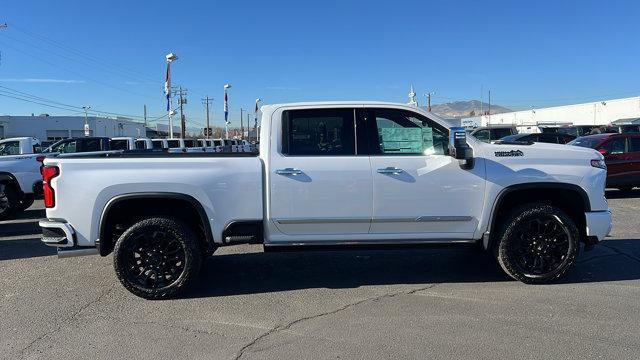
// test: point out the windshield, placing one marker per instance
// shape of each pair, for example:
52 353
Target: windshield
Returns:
587 142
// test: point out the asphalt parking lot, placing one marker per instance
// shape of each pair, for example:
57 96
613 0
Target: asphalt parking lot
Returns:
426 303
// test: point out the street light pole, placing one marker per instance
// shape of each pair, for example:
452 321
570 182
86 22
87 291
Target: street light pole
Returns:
226 111
87 131
428 95
167 90
255 114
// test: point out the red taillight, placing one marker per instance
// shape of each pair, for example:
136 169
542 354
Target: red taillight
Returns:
40 159
48 173
603 151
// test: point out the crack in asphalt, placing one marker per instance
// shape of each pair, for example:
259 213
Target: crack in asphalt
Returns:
288 325
68 320
620 252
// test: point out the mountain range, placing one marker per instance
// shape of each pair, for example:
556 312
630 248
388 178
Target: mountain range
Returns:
461 109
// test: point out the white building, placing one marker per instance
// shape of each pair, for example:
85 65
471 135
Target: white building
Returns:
61 127
593 113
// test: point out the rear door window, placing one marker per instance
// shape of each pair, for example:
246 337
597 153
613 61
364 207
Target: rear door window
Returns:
141 144
634 144
190 143
615 146
318 132
173 143
92 145
118 144
157 144
10 148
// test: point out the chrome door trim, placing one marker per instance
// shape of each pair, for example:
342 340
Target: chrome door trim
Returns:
423 219
323 220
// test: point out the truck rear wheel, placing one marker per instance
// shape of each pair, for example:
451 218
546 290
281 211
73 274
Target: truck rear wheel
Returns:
157 257
538 244
8 201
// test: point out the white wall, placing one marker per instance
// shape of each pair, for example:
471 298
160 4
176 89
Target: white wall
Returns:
37 126
593 113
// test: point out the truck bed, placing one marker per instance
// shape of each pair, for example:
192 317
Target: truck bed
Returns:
228 186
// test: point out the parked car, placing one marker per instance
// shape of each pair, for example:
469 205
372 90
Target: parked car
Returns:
493 132
621 154
20 178
329 174
582 130
552 138
79 145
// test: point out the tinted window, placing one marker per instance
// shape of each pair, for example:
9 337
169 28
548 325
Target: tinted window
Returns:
217 143
482 135
190 143
406 133
634 144
173 143
547 138
141 144
319 132
10 148
37 149
66 147
157 144
615 146
500 133
118 144
588 142
92 145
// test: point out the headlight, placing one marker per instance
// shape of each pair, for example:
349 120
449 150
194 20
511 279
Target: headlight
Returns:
599 163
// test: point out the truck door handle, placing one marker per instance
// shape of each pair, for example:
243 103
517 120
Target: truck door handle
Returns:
390 170
288 171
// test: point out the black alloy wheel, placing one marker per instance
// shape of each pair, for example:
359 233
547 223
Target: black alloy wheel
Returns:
538 243
157 257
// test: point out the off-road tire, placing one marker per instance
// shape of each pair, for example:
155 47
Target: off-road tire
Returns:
511 230
8 201
140 238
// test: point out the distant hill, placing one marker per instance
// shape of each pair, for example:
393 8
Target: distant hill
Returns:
460 109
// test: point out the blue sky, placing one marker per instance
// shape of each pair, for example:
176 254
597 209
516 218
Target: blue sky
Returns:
110 54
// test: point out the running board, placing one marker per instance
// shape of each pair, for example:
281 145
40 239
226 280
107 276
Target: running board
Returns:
74 252
366 245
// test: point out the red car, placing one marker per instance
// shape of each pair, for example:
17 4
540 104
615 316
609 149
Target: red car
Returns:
621 154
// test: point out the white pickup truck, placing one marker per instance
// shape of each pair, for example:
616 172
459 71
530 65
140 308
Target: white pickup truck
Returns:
20 178
329 174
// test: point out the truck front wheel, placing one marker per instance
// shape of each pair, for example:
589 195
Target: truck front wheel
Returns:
157 257
538 244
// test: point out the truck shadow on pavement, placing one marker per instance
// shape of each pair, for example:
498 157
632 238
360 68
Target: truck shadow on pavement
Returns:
24 248
237 274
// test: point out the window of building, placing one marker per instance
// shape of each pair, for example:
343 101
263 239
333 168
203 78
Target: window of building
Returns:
318 132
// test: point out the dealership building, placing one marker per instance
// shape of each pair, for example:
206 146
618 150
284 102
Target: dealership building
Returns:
607 112
45 127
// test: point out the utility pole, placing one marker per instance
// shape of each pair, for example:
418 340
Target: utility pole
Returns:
241 124
489 120
181 101
248 128
206 104
145 117
428 95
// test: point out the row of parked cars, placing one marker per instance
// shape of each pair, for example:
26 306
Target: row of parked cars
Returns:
620 146
21 160
87 144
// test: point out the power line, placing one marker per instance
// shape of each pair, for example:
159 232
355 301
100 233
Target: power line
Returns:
96 60
73 72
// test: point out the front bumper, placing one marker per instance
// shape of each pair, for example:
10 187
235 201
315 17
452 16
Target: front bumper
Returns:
598 225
